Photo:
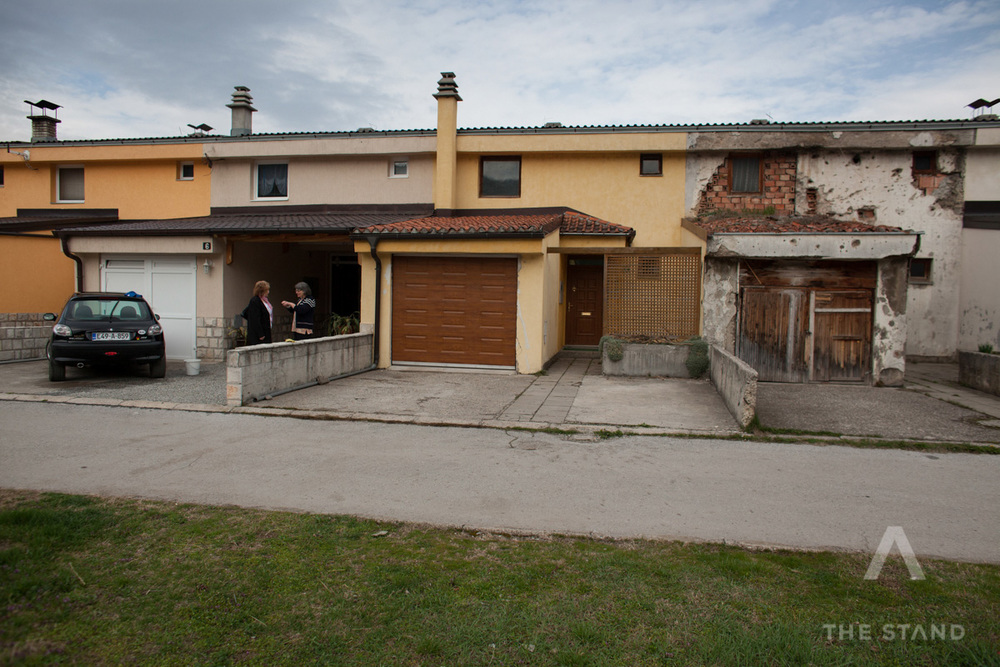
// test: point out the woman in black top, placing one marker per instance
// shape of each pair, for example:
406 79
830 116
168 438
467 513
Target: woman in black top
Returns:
302 311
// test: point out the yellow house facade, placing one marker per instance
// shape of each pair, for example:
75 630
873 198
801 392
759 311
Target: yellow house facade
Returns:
586 220
73 184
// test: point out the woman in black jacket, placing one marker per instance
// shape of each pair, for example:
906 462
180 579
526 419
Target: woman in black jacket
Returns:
259 313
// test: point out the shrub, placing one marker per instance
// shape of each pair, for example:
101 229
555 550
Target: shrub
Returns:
697 360
987 348
613 346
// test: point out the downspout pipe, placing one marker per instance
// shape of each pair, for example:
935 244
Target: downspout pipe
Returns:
79 263
373 242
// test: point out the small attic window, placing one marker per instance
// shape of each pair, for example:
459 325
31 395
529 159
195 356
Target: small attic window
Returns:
651 164
920 270
185 171
399 168
925 162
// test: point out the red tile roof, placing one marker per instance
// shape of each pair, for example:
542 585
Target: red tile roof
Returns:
568 222
578 223
790 225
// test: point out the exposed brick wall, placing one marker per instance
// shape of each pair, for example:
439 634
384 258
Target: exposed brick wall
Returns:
778 189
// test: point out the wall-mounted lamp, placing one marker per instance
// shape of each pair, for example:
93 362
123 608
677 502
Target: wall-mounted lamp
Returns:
207 266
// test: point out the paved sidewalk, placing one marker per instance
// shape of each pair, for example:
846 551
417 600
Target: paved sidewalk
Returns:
571 395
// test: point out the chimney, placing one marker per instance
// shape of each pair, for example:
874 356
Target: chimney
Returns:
43 126
242 112
446 164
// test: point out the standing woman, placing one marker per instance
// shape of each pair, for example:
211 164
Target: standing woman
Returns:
259 314
302 312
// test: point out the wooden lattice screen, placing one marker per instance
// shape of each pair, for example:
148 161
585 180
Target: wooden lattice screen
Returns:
653 295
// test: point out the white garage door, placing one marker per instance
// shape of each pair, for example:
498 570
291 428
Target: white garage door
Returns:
168 284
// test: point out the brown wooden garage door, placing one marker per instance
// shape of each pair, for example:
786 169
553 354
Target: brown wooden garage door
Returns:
454 310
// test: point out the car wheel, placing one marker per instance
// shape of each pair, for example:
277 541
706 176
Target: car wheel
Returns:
158 368
57 372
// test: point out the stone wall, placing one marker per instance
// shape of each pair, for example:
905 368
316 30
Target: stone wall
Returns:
261 370
23 336
736 383
980 371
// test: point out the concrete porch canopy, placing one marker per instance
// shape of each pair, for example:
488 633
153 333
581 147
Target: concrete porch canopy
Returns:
818 237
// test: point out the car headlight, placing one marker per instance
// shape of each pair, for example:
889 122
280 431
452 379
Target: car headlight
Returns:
155 330
62 330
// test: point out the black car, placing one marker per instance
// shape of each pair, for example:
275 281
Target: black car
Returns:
105 329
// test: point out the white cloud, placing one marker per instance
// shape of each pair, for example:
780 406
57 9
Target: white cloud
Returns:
319 66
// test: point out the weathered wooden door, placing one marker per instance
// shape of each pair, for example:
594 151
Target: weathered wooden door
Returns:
772 333
842 335
805 334
584 302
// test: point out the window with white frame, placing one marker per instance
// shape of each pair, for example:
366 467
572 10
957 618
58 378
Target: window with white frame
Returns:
69 185
399 168
272 181
185 171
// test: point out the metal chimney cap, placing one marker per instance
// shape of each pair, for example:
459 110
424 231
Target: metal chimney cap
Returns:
447 86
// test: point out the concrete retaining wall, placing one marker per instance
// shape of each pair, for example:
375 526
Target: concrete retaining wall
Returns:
649 360
23 336
980 371
736 382
261 370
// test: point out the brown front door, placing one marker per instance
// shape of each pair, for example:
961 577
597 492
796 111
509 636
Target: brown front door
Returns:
584 301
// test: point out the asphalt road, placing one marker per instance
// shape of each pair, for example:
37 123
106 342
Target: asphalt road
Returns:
800 496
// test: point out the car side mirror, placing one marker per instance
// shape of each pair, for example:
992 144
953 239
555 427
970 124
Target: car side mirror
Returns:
156 316
49 317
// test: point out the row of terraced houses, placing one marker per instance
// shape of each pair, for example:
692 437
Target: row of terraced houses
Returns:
813 251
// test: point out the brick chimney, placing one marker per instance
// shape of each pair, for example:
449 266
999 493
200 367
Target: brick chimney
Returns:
446 165
43 126
242 112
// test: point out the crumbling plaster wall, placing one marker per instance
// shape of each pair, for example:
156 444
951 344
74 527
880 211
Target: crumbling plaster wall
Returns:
868 175
720 290
879 187
889 328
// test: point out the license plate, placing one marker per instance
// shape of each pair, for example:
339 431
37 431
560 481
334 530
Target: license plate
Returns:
111 335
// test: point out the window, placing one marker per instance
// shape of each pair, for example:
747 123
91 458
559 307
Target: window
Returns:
651 164
924 162
69 184
399 168
185 171
920 270
744 174
272 181
1 175
500 177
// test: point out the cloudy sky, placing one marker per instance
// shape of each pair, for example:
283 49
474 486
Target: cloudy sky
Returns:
143 68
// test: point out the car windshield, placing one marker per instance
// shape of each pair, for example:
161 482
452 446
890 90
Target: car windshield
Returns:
104 309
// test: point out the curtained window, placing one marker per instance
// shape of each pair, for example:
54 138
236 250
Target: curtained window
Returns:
272 181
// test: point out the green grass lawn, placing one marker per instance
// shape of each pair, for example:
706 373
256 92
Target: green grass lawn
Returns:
93 581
